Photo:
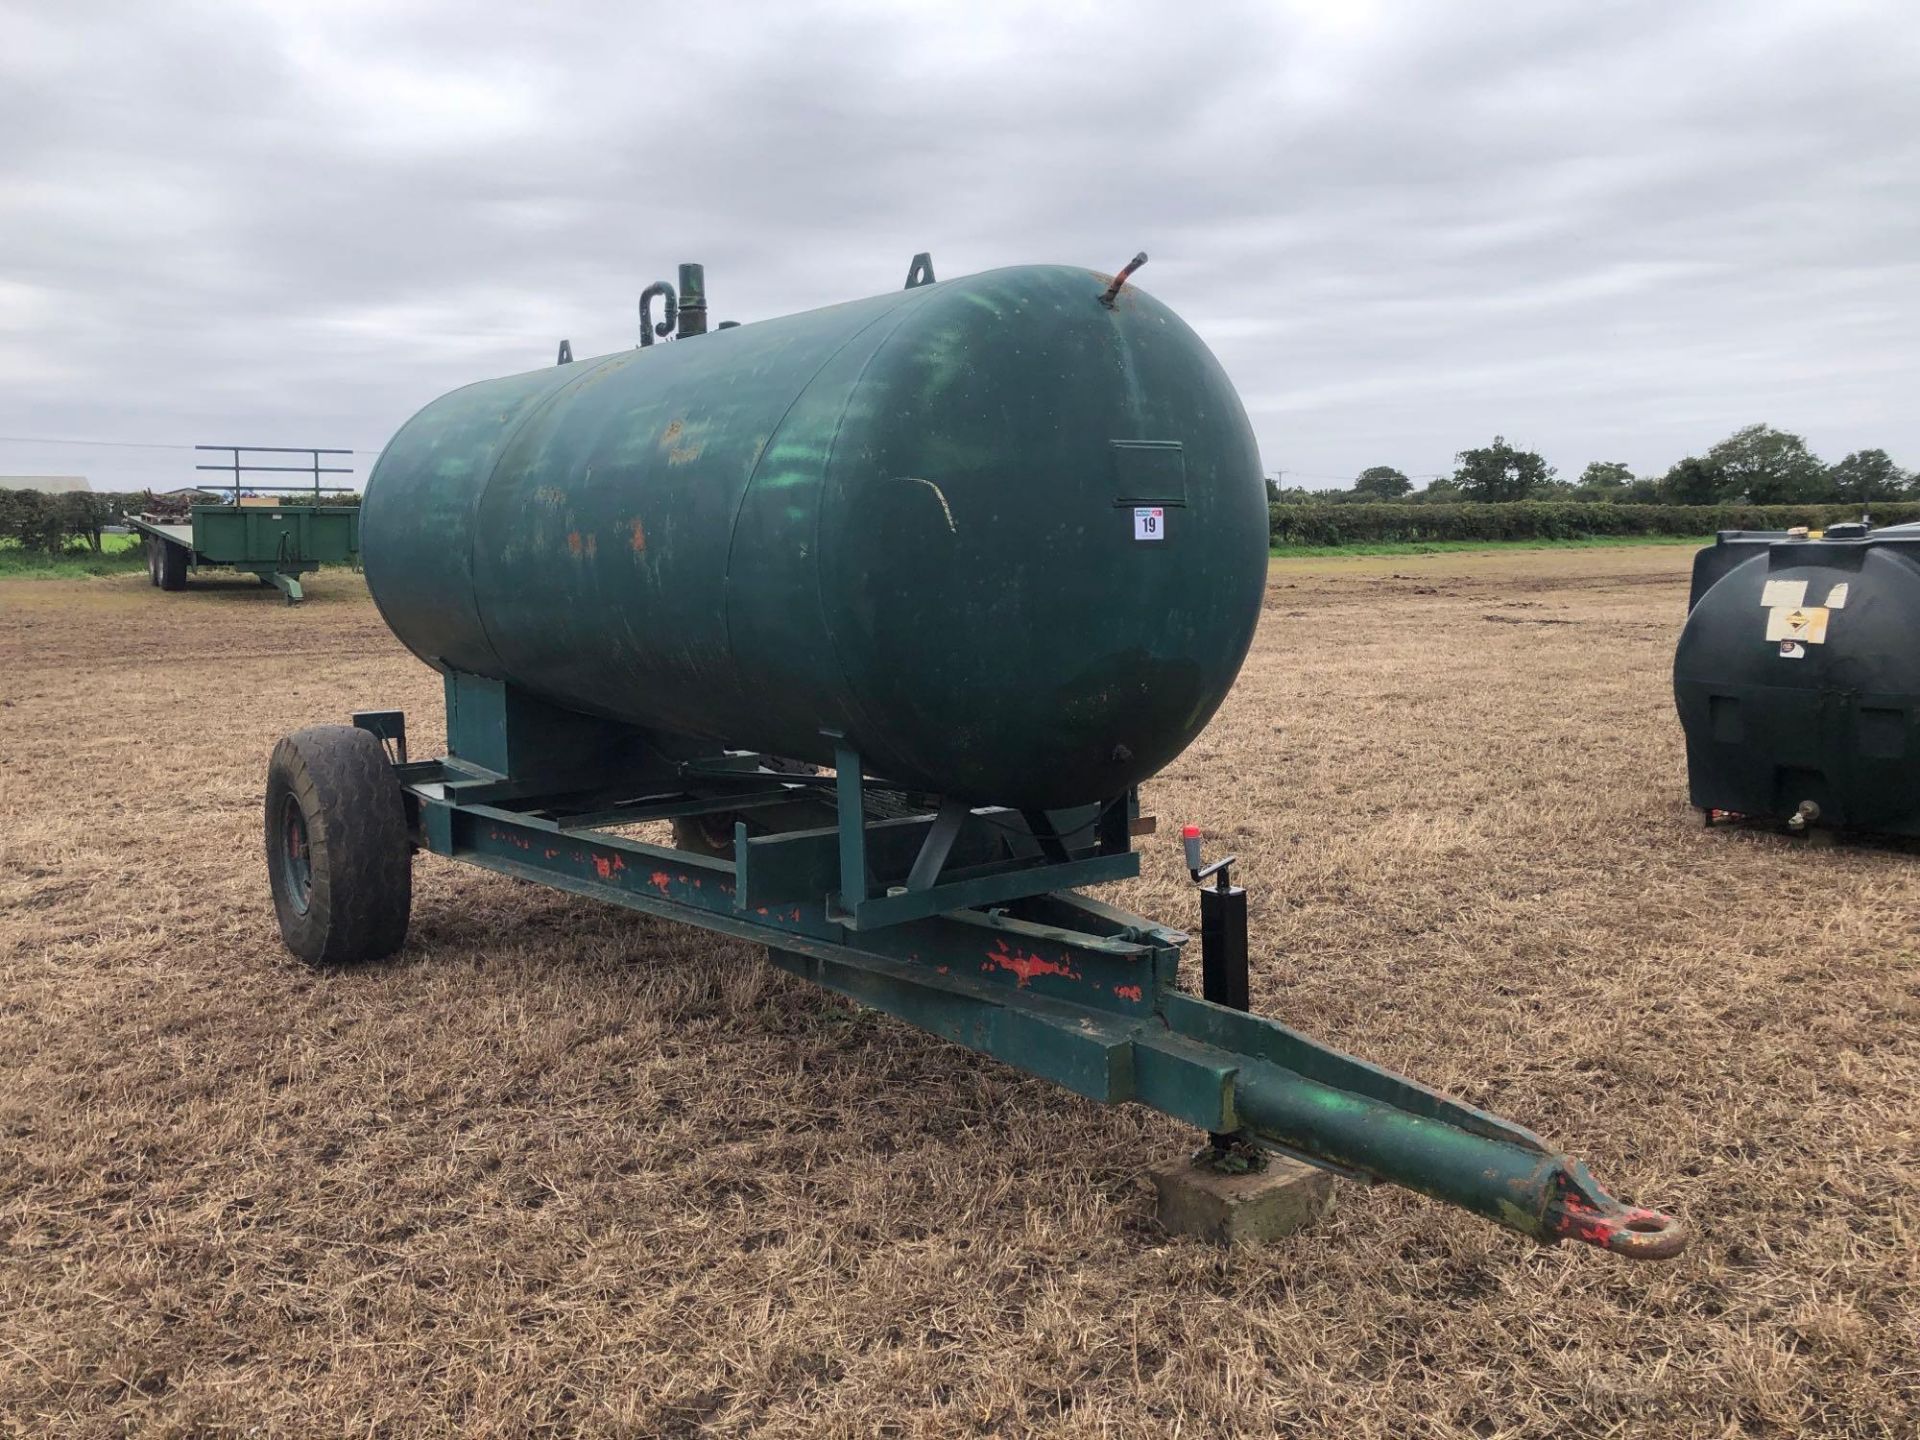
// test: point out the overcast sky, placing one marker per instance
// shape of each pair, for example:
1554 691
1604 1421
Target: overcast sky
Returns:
1607 231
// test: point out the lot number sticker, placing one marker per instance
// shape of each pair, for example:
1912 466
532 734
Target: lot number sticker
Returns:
1149 522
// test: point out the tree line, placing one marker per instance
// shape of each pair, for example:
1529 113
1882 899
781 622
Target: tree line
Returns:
77 519
1756 465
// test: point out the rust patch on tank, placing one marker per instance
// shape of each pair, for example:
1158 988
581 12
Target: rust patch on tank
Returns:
639 540
549 495
1123 298
680 454
573 541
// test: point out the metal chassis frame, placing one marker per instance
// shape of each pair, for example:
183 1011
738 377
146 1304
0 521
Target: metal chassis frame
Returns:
1003 959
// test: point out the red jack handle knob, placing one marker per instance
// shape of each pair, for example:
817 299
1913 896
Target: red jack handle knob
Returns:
1190 838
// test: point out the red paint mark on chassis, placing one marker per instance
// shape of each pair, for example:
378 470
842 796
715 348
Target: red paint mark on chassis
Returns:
660 881
604 866
1127 992
1025 967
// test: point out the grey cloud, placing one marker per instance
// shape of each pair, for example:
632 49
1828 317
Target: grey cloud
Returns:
1608 231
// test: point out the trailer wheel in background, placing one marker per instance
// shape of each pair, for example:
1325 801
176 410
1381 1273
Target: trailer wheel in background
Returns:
153 559
713 834
173 566
338 857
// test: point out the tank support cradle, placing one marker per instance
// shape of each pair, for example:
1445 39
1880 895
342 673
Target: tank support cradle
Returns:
962 920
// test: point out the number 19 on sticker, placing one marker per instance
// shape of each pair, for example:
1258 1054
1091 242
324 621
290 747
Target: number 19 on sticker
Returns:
1149 522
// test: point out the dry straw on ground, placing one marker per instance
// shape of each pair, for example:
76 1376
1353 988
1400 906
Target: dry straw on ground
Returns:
564 1170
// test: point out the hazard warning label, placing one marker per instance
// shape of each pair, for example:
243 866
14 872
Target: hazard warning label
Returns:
1806 624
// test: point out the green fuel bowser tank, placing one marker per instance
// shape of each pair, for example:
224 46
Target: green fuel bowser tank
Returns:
1004 535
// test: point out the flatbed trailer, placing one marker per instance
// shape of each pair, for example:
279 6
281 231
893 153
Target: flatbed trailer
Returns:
278 543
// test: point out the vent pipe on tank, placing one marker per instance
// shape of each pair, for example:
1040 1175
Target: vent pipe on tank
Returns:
693 301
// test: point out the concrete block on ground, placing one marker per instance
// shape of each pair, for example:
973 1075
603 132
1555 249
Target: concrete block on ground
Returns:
1246 1209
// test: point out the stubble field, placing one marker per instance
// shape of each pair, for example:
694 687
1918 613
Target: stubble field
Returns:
560 1169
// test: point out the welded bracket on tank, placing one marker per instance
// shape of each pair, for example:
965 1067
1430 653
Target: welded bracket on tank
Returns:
389 727
849 793
854 905
938 845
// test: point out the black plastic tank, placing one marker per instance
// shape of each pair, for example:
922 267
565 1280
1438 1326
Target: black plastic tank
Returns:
1798 677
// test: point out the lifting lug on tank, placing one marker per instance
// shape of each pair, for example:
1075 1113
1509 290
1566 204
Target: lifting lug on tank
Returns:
649 331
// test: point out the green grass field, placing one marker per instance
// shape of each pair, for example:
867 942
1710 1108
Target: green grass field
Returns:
1449 547
123 553
119 554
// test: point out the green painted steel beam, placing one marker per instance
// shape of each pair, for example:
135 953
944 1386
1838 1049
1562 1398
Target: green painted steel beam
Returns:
1083 995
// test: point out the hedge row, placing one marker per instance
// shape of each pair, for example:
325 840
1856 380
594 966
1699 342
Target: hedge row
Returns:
1359 524
35 520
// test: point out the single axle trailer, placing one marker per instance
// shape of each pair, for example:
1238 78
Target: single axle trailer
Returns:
278 543
963 920
890 608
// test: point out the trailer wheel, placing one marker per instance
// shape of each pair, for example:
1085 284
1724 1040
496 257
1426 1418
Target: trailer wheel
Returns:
153 560
173 566
338 858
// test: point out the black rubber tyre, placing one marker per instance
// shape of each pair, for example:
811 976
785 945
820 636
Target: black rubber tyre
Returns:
173 566
153 561
338 858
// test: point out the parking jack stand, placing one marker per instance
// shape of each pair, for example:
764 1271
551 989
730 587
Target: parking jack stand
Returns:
1229 1191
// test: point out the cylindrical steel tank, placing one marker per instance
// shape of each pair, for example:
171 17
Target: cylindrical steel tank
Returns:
1009 540
1798 678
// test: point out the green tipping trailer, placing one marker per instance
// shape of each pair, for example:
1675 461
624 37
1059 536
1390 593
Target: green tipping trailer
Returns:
889 608
279 543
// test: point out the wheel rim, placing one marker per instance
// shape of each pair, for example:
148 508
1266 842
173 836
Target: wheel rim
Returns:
296 855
